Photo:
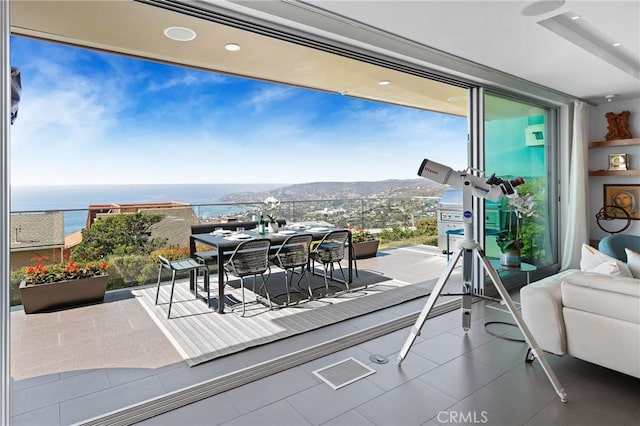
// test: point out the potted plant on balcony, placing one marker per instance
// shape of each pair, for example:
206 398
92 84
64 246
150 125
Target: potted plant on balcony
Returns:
62 285
364 244
272 221
510 241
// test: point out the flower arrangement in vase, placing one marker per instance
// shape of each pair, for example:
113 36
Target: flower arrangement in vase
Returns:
510 241
272 221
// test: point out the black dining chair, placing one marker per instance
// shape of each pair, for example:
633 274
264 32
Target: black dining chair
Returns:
250 258
330 251
182 265
292 254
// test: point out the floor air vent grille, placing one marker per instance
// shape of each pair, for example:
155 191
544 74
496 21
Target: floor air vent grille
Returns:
343 373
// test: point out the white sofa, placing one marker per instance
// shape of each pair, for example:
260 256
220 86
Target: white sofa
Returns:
587 315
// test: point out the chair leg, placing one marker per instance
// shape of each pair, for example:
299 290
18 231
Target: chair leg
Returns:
303 273
158 289
353 258
206 283
242 285
325 270
346 283
286 284
173 283
264 285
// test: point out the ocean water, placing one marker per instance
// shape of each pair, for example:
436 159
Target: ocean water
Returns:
75 199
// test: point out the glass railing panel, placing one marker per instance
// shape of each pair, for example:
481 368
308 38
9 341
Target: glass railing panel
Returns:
130 246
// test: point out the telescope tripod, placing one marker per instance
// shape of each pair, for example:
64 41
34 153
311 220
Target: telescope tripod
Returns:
467 249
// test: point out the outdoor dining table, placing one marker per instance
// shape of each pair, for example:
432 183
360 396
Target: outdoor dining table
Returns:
225 244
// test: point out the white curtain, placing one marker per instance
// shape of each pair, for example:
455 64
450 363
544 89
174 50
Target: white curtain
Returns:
575 208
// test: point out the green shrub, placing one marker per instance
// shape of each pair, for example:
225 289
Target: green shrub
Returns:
170 253
131 270
14 283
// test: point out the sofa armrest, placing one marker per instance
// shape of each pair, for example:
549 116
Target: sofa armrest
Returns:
542 312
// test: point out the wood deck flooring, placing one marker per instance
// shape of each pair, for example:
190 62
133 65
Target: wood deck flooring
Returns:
200 334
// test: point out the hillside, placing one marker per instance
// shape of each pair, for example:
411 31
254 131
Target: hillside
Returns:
339 190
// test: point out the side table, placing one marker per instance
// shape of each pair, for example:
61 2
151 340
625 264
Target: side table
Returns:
524 267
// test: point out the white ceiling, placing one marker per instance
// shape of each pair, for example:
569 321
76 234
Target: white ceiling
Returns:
507 36
495 34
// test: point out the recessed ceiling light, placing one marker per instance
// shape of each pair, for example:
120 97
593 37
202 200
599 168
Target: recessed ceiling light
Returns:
180 33
617 44
384 83
542 6
575 17
609 98
232 47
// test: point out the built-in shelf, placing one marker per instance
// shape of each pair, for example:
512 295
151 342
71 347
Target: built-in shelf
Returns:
617 142
614 143
614 172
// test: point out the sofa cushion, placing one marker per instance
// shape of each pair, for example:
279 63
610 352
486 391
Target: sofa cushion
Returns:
595 261
613 297
633 262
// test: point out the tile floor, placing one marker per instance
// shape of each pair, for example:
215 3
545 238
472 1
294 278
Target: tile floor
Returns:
448 377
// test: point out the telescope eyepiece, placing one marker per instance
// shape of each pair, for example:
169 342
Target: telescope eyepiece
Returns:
516 182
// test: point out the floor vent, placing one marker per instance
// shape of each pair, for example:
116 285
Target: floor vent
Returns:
343 373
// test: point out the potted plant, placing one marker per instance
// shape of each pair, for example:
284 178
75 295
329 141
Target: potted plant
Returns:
272 221
62 285
364 244
510 241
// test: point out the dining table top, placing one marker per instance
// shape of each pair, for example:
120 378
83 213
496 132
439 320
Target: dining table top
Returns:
227 238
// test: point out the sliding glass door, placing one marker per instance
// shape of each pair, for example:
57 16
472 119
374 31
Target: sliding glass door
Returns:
518 142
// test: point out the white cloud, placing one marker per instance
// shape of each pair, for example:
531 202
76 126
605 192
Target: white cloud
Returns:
262 98
185 79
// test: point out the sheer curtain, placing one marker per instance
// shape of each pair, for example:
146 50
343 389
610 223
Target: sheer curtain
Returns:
576 229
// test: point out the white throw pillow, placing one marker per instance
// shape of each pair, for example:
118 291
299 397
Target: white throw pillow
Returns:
595 261
633 262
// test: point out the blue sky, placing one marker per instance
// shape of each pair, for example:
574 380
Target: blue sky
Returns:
93 118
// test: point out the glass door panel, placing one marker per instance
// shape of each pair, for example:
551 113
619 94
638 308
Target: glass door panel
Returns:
518 144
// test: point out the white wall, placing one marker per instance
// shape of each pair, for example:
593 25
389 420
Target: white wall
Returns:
599 159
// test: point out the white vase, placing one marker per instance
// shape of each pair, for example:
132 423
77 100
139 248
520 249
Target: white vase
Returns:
273 227
510 258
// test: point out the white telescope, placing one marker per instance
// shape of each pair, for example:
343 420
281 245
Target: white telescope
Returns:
492 189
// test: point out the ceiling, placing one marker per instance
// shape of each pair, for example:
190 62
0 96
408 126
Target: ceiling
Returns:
500 35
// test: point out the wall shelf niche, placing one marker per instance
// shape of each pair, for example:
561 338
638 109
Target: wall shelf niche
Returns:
614 143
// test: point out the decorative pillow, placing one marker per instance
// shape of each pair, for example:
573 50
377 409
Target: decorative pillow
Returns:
633 262
595 261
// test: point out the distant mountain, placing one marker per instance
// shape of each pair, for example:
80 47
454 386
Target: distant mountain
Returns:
339 190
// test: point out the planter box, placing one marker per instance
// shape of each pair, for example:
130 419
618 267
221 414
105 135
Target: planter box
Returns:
62 294
366 249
